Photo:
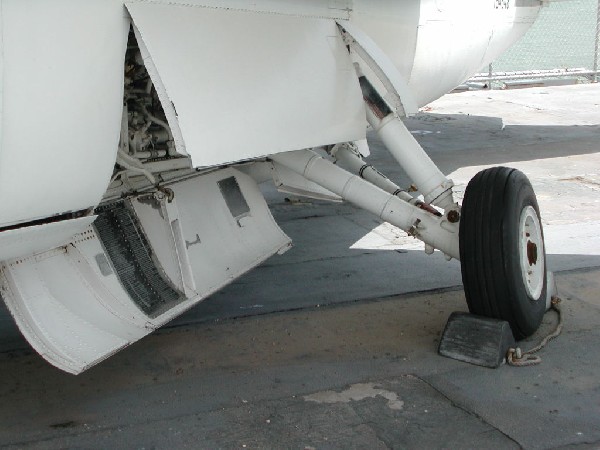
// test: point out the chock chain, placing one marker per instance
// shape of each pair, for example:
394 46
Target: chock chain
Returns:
517 357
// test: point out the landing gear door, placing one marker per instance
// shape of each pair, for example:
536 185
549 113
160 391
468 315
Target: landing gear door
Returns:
139 266
281 82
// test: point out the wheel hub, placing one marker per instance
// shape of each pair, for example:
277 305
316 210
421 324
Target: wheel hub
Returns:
531 253
531 246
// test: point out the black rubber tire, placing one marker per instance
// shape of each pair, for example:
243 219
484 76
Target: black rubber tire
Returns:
489 252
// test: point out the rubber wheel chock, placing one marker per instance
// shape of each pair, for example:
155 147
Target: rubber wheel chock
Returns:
478 340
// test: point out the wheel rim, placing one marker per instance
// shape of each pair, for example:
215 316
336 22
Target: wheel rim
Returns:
531 252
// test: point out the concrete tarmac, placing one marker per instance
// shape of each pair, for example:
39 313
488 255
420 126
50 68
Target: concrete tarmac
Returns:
334 344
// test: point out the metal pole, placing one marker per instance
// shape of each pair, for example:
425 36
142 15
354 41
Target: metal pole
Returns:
597 45
491 72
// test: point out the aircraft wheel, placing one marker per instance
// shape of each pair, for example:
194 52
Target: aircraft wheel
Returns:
502 253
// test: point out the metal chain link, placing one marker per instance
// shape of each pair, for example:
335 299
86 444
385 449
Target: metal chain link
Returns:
566 37
516 357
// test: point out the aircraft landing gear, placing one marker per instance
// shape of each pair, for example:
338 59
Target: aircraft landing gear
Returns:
502 251
497 235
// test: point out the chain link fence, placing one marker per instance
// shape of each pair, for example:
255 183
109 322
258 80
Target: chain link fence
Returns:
562 44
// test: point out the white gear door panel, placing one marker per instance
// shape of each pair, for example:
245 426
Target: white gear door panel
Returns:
244 84
26 241
80 303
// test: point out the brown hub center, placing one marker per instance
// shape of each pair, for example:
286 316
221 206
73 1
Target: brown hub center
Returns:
532 253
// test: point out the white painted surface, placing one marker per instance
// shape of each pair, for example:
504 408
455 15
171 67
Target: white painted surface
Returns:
68 311
62 99
392 25
435 231
71 306
331 9
413 159
285 83
244 83
220 247
533 265
39 238
290 182
458 38
436 45
383 69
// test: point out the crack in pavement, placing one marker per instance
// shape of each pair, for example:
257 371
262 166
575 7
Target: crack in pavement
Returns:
468 411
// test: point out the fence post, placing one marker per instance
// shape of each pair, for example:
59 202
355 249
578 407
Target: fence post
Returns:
597 46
